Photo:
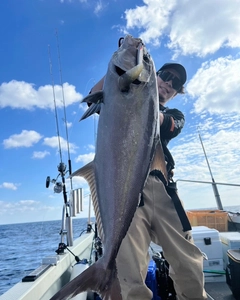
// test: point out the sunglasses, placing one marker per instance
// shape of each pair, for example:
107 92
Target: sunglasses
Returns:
167 76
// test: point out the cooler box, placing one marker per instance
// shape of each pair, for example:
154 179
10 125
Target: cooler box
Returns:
230 240
216 219
233 279
208 241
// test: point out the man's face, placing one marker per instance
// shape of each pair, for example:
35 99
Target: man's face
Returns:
165 89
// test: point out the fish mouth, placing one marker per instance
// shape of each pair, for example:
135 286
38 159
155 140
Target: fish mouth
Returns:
120 72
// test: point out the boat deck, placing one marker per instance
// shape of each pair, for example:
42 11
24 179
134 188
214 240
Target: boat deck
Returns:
219 291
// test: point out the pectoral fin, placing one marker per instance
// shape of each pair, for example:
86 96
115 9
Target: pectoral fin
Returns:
96 99
94 108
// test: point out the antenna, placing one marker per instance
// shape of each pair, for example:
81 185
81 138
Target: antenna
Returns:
214 185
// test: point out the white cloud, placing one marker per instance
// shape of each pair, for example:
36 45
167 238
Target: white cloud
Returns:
23 95
190 25
23 206
85 158
91 147
98 7
68 124
222 149
80 182
216 86
27 138
152 18
28 202
53 142
194 30
40 154
9 186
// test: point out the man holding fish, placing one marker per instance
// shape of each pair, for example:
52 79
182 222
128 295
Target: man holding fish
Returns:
156 218
130 180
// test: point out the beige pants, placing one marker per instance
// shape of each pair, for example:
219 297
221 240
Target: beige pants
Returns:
158 221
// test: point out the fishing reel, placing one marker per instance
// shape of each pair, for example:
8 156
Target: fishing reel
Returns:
58 186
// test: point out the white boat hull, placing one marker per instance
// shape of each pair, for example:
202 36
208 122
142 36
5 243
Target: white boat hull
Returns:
53 279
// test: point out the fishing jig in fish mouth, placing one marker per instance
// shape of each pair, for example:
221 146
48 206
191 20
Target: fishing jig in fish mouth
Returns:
130 76
136 74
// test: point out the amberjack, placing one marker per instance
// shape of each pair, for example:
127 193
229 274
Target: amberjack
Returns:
128 146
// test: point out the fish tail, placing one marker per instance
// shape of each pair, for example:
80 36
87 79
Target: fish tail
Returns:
101 280
95 278
114 293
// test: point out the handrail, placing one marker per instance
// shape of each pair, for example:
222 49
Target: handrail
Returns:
209 182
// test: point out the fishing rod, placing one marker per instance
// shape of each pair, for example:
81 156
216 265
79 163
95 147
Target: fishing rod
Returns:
72 206
64 108
58 186
214 185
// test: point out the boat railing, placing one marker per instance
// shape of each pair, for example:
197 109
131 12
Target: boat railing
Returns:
214 186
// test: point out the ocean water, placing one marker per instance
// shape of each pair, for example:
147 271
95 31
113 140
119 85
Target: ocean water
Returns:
23 246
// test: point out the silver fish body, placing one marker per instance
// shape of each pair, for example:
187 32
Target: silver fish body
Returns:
127 139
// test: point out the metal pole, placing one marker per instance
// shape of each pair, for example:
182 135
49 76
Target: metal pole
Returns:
214 186
89 209
209 182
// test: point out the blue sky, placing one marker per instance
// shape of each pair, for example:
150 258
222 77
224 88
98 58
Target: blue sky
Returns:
202 35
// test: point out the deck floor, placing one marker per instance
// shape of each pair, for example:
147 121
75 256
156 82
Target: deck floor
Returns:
219 291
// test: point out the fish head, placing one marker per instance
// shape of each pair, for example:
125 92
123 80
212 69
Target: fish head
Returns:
132 63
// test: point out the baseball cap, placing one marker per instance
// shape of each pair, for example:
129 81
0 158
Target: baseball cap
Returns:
179 68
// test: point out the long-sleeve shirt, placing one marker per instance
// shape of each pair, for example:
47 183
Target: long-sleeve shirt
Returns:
172 125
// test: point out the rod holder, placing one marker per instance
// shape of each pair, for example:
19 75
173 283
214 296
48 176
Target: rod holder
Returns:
79 197
73 204
69 231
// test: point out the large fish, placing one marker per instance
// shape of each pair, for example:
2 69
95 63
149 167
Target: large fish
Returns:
128 147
